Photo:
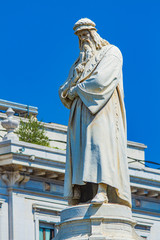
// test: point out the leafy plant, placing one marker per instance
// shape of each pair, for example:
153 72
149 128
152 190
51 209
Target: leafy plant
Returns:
32 131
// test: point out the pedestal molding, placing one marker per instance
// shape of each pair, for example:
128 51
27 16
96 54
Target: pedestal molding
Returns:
95 222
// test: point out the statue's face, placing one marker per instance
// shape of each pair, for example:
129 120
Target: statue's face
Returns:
84 35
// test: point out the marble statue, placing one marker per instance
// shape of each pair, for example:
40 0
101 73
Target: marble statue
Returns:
96 160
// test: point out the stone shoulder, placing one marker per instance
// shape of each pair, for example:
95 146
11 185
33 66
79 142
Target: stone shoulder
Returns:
113 50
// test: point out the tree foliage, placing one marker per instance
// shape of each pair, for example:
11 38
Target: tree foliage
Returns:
32 131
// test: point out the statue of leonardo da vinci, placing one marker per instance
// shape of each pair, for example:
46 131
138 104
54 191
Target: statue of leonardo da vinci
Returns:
96 160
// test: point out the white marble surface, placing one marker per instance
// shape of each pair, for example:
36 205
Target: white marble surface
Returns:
95 222
94 94
10 124
155 232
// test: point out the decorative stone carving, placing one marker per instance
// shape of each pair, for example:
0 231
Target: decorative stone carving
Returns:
10 125
96 160
12 177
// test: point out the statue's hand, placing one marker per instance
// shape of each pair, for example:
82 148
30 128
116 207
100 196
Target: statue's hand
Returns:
72 93
64 89
77 72
80 68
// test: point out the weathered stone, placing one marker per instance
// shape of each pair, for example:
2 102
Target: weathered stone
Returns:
96 222
96 160
10 125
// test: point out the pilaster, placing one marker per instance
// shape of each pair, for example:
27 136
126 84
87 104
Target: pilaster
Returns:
10 178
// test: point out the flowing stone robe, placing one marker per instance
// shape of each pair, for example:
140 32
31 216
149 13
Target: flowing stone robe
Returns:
96 140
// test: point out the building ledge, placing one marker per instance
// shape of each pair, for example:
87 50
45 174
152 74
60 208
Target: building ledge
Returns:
32 159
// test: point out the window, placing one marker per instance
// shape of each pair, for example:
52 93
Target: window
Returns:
45 220
46 231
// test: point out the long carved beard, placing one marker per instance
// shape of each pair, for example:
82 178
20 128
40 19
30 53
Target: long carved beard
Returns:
87 51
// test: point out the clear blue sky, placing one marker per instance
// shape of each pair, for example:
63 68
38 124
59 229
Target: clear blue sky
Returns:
37 48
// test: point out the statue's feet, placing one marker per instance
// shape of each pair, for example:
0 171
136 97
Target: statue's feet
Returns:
100 198
72 202
76 192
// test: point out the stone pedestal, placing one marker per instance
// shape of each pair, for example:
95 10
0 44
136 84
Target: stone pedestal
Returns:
97 222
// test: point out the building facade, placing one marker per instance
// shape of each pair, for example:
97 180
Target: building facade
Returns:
32 179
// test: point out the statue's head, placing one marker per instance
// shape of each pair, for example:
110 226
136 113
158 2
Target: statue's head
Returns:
86 32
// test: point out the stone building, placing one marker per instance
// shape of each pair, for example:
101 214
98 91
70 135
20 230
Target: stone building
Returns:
31 183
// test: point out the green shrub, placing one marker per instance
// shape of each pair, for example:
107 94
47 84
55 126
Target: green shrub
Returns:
32 131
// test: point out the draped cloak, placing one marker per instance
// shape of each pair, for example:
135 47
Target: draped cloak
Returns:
96 139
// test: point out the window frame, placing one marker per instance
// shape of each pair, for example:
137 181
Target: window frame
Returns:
50 217
44 225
